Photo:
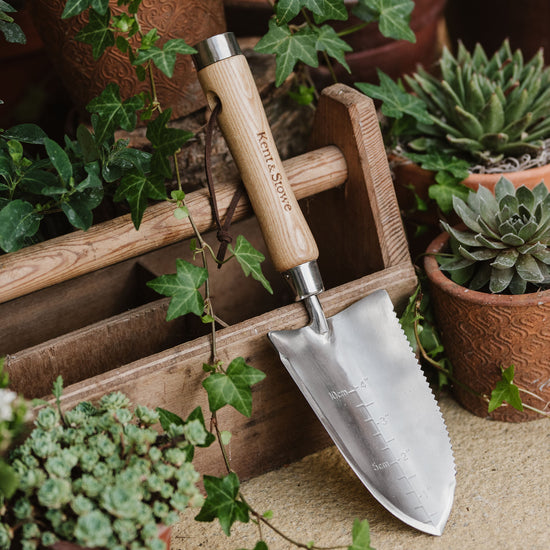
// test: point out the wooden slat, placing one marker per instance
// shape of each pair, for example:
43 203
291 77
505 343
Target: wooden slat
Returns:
77 253
282 427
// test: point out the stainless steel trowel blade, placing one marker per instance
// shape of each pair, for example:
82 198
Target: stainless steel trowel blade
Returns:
364 383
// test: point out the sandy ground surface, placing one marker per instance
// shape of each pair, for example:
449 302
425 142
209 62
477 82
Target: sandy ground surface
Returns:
502 498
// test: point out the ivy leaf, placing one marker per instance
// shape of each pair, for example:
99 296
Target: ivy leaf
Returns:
75 7
360 533
18 221
289 48
183 287
97 33
165 141
113 113
100 6
393 17
329 41
164 58
327 9
223 502
396 102
233 387
250 259
322 9
166 418
137 188
506 391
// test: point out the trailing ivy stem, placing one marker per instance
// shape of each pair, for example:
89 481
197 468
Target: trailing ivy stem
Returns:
351 30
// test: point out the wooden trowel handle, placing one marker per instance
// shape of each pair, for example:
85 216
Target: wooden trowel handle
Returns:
246 130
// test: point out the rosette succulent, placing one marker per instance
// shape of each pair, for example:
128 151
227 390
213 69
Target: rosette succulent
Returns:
102 476
506 244
479 108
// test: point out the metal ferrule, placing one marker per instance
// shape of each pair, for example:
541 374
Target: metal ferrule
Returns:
305 280
214 49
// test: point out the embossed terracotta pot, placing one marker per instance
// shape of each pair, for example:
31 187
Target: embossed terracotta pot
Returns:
483 332
85 78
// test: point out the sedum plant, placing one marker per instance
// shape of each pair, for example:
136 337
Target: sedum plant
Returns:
102 476
506 246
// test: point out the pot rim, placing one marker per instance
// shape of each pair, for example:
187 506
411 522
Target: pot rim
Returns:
438 278
529 177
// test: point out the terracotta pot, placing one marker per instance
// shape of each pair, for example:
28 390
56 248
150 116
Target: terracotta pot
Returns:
372 50
483 332
164 534
410 179
86 78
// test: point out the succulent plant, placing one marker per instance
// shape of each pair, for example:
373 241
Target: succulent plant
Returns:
481 109
506 245
102 476
489 108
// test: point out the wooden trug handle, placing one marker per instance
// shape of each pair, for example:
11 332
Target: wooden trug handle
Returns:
246 130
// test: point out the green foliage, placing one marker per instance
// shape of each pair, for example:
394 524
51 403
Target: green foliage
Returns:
506 391
223 502
74 178
8 27
293 41
361 536
250 259
506 246
479 110
233 387
102 476
183 286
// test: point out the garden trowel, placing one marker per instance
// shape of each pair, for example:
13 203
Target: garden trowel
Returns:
356 368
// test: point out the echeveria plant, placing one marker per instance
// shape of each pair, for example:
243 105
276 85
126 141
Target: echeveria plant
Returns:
102 476
506 243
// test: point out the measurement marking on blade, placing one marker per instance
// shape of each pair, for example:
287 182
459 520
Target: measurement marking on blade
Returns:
366 405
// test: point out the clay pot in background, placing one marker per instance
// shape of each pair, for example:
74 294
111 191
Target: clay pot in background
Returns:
85 78
371 50
489 22
483 332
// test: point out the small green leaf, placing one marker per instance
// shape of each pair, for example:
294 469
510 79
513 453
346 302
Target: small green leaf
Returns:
360 535
166 418
393 17
183 288
113 113
165 141
396 102
8 480
225 437
18 221
137 188
164 58
233 387
57 388
97 33
75 7
59 159
329 41
25 133
289 48
506 391
223 502
250 259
